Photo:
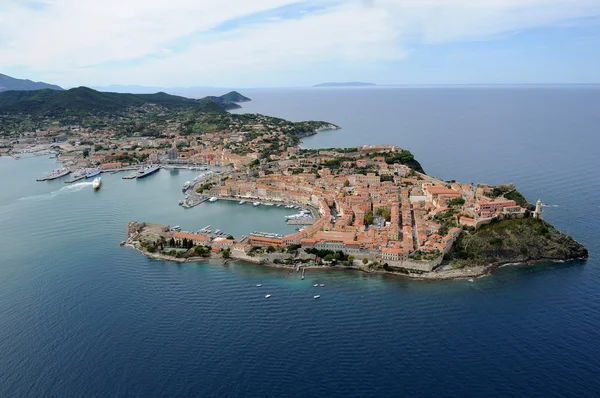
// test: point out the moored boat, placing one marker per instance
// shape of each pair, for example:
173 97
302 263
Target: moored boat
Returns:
146 171
213 199
255 204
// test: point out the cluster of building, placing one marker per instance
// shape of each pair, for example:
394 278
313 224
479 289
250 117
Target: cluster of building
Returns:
392 214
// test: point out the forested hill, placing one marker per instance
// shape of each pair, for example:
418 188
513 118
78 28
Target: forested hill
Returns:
85 101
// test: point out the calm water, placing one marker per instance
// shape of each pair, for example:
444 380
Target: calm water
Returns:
82 316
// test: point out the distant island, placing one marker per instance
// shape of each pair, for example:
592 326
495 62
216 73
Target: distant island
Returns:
10 83
345 84
370 208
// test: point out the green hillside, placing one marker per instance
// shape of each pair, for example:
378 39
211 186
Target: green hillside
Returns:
85 101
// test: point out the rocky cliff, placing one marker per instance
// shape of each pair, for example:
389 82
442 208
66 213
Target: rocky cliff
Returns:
511 241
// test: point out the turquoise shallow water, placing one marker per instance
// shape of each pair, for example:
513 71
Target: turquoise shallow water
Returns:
80 315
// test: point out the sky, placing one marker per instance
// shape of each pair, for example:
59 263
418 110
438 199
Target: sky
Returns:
291 43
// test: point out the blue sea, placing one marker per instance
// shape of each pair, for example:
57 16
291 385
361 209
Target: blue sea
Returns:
82 316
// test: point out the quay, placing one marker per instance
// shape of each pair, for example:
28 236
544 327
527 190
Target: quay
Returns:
306 221
74 179
54 176
130 176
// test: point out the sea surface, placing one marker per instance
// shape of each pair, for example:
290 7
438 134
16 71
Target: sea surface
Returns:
82 316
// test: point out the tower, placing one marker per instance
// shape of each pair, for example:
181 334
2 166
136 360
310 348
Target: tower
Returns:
538 210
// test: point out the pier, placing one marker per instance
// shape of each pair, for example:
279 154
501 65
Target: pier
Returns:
74 179
300 221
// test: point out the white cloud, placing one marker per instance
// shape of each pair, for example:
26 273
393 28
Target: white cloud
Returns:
89 42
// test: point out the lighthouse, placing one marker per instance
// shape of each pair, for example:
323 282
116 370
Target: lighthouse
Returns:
538 210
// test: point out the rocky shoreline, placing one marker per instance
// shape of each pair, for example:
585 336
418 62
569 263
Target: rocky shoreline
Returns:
444 275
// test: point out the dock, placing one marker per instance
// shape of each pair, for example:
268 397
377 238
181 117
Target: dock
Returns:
130 176
307 221
192 202
74 179
51 176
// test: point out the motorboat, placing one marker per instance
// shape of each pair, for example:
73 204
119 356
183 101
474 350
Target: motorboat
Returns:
267 295
317 296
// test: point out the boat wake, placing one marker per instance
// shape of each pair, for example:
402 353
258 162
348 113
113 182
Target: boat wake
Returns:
76 187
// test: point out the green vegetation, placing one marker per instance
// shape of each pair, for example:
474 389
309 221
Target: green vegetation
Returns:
85 101
427 256
328 255
457 202
203 188
510 193
369 218
513 241
384 212
403 157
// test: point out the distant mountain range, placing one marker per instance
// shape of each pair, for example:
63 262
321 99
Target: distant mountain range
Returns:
344 84
10 83
85 101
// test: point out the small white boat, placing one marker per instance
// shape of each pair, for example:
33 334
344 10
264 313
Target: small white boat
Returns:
255 204
317 296
322 284
242 202
213 199
259 285
316 285
267 295
470 279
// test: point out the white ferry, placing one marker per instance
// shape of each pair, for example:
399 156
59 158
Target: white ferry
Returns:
96 183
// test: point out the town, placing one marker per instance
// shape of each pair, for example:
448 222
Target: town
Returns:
370 207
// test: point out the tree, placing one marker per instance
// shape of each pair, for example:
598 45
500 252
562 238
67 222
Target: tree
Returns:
328 257
226 253
459 201
365 261
270 249
346 183
369 218
185 243
230 237
172 242
86 153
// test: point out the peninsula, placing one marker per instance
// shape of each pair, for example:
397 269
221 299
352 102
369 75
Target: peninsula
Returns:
371 208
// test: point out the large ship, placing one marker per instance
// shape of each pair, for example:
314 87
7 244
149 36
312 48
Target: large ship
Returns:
92 173
96 183
146 171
